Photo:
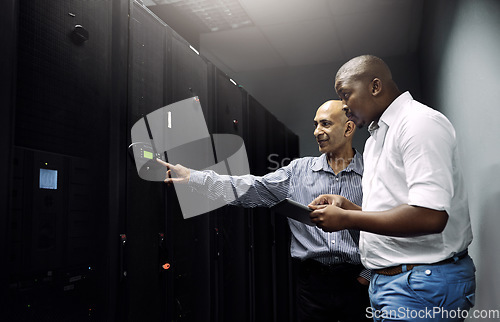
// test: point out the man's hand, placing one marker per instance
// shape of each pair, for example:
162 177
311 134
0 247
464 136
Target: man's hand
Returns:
335 200
175 173
329 218
327 200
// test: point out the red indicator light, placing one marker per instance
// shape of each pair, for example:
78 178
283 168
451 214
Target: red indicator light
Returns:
166 266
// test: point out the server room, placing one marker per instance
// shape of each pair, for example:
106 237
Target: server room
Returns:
250 160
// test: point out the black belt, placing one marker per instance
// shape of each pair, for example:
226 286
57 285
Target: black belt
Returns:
395 270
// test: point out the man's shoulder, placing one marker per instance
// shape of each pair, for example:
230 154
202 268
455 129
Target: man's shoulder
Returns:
417 110
307 162
418 117
422 122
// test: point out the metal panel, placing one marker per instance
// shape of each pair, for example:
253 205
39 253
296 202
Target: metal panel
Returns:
189 74
189 240
8 37
263 220
229 106
292 147
48 246
277 148
117 163
232 222
145 220
62 86
62 94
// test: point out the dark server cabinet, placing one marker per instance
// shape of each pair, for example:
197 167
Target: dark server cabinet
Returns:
282 262
57 215
289 308
87 239
233 249
262 234
145 280
189 240
8 37
190 74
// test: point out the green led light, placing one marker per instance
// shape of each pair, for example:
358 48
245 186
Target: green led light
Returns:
148 155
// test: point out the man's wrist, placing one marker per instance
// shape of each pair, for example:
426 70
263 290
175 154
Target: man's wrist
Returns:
343 202
196 178
349 205
349 219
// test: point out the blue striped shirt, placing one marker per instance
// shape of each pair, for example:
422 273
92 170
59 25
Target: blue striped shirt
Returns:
302 180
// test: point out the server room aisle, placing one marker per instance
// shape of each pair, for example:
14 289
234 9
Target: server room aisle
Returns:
88 239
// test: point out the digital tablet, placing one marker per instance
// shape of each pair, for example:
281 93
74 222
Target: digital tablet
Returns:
293 210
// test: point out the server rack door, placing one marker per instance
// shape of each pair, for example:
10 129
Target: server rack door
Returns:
61 131
233 261
263 221
189 240
118 158
9 17
281 230
189 74
292 148
145 280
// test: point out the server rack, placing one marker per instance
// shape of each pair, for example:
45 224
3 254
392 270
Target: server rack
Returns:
145 281
7 89
232 224
263 233
189 241
98 248
55 258
281 251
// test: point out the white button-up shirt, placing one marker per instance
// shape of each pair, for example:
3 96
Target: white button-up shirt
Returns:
412 158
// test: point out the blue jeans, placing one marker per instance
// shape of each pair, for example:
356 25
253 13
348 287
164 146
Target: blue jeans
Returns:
442 292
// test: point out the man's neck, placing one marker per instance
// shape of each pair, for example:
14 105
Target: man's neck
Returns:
338 161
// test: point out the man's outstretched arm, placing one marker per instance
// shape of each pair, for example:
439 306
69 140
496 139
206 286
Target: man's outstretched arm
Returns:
245 190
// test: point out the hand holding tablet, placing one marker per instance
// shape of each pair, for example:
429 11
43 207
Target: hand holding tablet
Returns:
294 210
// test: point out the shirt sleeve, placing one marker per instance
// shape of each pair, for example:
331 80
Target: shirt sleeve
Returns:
427 145
251 191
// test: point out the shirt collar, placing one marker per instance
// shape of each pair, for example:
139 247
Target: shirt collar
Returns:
390 112
356 164
319 163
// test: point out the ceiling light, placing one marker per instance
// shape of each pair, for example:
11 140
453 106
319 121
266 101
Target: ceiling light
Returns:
194 49
216 15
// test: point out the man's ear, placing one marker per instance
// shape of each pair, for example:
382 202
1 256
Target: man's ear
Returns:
350 128
376 86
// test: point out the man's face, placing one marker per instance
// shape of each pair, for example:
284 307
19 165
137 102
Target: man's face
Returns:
355 96
330 124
